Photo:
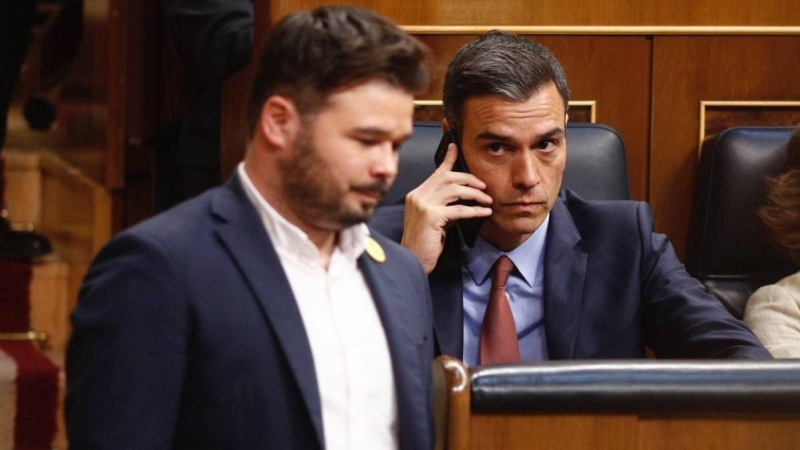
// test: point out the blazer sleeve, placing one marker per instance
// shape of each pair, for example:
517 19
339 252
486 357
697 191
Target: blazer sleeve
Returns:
126 356
215 37
681 319
773 313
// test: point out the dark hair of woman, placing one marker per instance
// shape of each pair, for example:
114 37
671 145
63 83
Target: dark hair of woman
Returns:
781 214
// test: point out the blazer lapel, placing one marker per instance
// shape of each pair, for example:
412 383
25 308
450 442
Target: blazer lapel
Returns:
396 316
447 296
564 275
242 233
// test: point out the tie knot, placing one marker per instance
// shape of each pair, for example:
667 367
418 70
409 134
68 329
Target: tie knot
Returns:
501 270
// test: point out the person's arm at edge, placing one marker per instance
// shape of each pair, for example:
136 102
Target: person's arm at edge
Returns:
773 314
215 36
682 320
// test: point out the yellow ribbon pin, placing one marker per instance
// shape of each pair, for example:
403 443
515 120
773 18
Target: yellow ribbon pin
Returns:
375 251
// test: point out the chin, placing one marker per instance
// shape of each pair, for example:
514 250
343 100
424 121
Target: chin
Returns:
354 217
520 225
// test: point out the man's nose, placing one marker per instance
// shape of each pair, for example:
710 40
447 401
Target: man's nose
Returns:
385 160
525 171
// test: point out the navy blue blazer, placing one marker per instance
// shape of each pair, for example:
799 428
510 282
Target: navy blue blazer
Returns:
187 335
611 287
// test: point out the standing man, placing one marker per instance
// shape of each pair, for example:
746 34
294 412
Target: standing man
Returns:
584 279
264 314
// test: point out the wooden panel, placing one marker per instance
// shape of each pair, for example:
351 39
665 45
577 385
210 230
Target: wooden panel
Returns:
717 116
233 135
573 12
554 432
23 193
622 432
118 94
691 69
76 217
613 71
235 91
50 299
91 98
718 434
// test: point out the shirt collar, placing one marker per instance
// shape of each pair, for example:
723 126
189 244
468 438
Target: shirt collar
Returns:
289 238
526 257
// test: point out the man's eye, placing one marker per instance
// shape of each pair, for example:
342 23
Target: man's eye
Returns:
546 145
495 147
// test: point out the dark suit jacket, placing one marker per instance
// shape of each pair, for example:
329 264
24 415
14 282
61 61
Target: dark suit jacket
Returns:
611 287
214 39
187 336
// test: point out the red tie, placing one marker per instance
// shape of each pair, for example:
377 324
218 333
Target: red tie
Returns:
499 343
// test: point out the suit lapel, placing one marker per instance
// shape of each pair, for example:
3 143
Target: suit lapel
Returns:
396 316
564 275
446 292
242 233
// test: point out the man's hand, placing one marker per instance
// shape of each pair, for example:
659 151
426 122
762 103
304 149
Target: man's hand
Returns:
431 209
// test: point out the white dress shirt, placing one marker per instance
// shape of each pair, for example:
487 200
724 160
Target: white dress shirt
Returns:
351 354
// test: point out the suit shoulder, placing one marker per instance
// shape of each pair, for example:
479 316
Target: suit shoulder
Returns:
594 213
180 221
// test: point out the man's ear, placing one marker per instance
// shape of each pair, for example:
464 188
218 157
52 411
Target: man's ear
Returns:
566 118
445 125
279 121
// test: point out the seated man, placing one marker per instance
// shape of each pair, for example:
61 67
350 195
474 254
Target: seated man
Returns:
587 279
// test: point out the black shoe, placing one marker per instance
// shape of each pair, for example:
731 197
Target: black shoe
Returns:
21 244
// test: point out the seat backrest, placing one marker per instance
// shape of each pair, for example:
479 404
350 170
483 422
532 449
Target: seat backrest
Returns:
725 249
562 404
596 166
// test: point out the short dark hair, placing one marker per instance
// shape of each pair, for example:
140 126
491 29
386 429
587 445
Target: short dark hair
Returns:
781 214
309 54
503 64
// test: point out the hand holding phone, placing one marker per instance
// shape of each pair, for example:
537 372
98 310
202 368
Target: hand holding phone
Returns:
430 209
471 227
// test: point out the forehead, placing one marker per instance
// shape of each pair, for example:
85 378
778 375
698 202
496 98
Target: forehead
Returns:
545 109
372 103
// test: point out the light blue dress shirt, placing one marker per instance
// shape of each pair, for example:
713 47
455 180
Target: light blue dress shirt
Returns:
524 290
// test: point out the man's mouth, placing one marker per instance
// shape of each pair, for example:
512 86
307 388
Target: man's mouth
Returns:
523 206
375 191
524 203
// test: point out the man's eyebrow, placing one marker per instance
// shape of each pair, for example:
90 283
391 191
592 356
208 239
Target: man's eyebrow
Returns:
554 132
375 132
371 131
490 136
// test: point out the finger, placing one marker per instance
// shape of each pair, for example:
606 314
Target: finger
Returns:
458 211
449 158
463 179
456 192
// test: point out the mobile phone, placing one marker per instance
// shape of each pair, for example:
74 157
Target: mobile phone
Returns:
469 228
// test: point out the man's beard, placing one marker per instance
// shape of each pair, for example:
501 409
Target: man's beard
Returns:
315 196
